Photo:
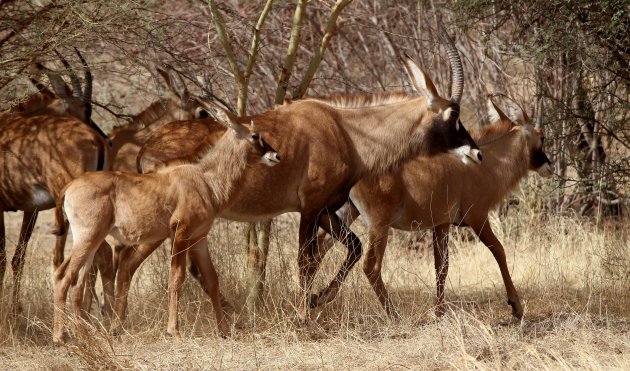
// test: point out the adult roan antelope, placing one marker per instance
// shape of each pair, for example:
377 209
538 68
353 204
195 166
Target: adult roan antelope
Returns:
179 202
327 145
435 193
45 143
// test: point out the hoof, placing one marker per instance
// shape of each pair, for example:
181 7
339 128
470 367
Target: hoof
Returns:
116 331
302 319
517 310
173 334
61 340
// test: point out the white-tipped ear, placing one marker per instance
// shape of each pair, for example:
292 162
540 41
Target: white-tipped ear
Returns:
420 80
494 113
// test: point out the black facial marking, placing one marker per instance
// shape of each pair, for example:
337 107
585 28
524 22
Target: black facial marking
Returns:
449 134
539 158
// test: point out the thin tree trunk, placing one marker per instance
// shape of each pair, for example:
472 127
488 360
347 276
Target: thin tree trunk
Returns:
259 235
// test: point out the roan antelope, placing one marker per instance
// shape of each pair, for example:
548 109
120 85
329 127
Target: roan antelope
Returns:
435 193
179 202
182 105
327 145
44 144
127 139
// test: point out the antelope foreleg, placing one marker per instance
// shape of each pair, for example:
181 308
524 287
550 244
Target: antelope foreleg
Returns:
17 264
104 262
440 257
306 263
176 277
492 242
129 260
374 263
209 281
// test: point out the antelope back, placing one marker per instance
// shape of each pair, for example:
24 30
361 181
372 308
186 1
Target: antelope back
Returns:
178 142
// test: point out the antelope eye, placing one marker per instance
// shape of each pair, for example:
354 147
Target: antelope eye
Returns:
255 136
203 114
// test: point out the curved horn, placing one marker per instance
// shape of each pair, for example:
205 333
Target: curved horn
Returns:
455 62
206 85
87 91
76 84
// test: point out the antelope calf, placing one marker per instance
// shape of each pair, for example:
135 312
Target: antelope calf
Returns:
45 142
328 144
435 193
127 139
179 202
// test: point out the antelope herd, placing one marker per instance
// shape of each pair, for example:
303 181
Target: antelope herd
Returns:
397 159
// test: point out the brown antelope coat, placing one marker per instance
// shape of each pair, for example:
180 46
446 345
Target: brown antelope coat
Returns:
45 142
179 202
327 145
435 193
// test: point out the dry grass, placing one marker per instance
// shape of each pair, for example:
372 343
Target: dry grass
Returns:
571 275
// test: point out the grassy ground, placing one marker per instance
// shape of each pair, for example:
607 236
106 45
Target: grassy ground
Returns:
571 275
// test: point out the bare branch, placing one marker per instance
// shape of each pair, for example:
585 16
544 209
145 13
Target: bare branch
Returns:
331 25
287 68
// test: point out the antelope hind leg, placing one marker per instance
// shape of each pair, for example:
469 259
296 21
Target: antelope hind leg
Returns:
331 223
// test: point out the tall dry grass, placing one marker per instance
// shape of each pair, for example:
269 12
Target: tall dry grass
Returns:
571 274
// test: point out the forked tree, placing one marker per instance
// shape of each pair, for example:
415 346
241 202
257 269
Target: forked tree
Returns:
439 192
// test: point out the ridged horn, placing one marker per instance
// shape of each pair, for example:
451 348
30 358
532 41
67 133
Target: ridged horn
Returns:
87 91
455 62
76 84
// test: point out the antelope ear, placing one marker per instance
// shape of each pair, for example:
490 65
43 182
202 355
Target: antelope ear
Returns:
173 82
59 86
420 81
517 114
448 113
494 113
